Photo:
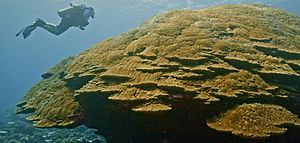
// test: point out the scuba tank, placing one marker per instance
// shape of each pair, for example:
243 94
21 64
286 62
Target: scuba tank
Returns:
75 15
71 10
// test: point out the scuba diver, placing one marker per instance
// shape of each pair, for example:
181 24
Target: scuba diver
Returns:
73 16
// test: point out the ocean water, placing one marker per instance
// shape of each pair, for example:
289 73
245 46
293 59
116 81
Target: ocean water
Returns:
23 61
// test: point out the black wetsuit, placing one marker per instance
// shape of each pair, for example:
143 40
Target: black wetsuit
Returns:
74 16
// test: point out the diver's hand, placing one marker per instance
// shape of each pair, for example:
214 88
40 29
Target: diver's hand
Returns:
81 28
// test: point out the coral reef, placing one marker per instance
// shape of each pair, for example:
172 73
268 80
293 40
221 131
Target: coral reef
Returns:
180 61
254 120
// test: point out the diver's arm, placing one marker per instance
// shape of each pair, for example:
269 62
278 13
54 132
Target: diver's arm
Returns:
83 24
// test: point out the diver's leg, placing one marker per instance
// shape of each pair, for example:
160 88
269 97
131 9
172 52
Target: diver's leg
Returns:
51 28
64 25
56 29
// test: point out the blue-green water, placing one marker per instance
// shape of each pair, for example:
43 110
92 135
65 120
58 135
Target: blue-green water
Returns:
23 61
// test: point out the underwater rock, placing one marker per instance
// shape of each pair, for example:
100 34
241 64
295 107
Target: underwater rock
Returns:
254 120
242 64
115 78
276 52
174 71
264 40
78 80
46 75
235 84
152 108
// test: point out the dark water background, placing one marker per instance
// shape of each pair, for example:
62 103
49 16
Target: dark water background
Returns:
23 61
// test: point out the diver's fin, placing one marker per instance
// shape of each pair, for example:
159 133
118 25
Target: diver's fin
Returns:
22 30
27 31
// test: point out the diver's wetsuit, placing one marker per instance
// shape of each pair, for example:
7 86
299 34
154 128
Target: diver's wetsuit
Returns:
77 16
57 29
78 19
